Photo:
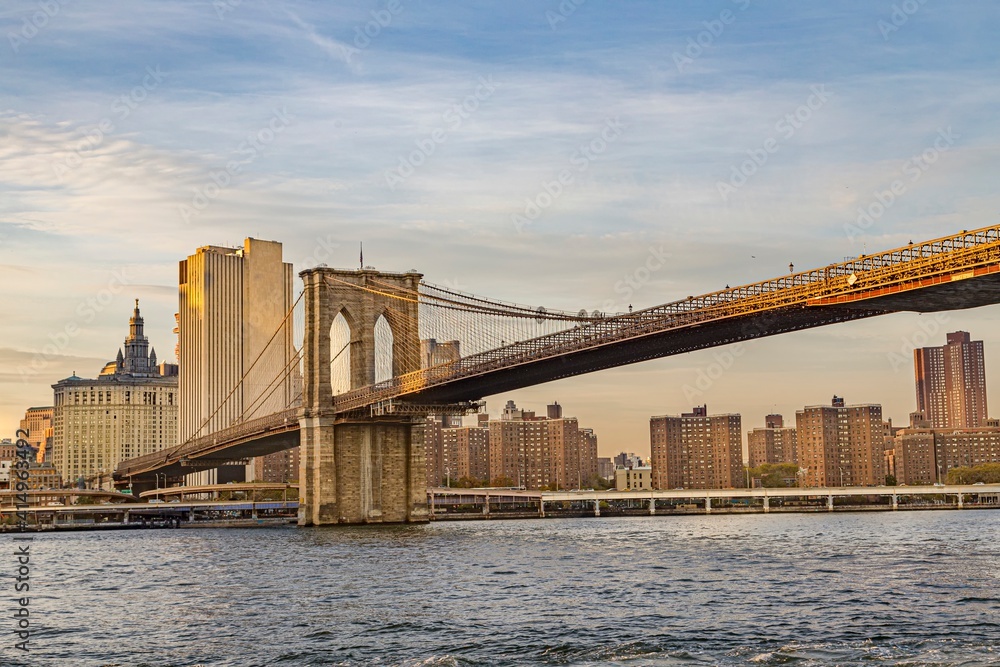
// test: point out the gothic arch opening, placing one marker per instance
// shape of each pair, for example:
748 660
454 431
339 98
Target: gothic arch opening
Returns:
383 349
340 355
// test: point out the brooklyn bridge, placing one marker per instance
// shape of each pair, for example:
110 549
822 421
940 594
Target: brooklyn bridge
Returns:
365 391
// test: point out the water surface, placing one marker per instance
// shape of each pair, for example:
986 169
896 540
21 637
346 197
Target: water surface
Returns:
905 588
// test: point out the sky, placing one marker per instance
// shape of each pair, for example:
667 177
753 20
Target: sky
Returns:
539 152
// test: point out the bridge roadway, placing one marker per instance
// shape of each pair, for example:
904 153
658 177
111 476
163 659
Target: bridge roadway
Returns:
950 273
541 498
9 497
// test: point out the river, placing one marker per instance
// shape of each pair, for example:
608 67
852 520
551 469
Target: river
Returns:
886 588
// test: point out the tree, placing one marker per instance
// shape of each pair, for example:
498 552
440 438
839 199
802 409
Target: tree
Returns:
599 483
775 475
890 480
987 473
502 481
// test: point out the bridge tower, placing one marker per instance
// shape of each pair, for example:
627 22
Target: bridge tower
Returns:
358 468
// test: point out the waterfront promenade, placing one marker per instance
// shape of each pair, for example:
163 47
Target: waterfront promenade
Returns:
446 503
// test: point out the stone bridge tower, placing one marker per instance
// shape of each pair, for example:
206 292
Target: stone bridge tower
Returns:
358 468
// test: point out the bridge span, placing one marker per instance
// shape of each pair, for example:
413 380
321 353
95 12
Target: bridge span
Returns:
361 434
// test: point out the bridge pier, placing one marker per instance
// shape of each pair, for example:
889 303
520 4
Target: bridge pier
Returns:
358 467
597 507
652 505
959 501
541 508
829 503
708 504
767 505
361 472
895 502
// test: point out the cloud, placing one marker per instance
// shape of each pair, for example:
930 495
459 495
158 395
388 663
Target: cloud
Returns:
319 185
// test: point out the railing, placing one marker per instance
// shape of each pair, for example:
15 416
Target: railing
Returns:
910 263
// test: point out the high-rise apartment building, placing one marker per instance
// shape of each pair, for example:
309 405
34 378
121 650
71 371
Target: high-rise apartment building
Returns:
453 451
589 468
696 450
951 382
841 445
278 468
965 448
235 341
914 456
467 451
924 455
775 443
129 410
519 449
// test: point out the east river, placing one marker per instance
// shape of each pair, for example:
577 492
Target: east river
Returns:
885 588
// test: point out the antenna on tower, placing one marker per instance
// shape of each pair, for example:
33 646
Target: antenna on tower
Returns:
362 258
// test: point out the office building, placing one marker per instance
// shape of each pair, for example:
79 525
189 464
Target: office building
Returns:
235 344
951 382
129 410
38 423
696 450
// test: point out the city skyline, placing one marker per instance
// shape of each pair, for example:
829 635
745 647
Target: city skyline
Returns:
752 420
114 173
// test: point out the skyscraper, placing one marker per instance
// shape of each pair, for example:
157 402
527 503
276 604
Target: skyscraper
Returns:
951 382
232 326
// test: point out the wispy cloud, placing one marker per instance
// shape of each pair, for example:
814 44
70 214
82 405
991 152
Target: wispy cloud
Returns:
358 106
